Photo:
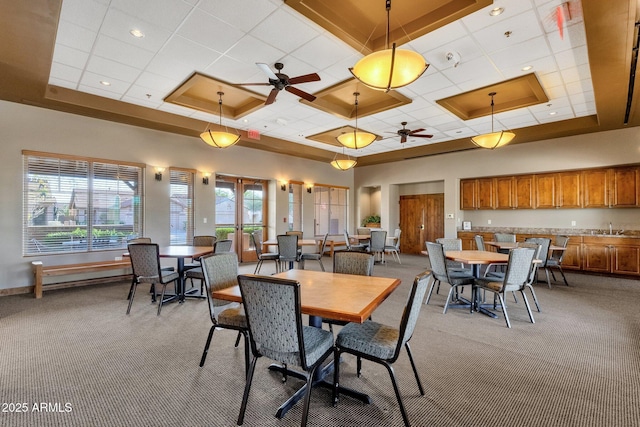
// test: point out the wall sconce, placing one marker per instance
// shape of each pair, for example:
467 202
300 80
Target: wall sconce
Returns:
205 177
309 188
159 171
283 185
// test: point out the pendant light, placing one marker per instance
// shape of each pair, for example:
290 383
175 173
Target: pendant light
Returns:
356 139
494 139
219 139
389 68
343 162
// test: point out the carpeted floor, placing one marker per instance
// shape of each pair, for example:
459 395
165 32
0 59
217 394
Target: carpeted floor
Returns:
74 358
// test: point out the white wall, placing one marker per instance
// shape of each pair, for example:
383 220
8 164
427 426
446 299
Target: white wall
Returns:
585 151
29 128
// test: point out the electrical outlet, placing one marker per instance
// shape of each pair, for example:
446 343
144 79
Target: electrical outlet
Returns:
450 216
573 223
489 221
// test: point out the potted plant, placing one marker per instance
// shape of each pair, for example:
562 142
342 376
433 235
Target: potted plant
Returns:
371 221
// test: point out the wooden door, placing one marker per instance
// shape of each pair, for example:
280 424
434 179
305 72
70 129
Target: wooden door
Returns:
421 220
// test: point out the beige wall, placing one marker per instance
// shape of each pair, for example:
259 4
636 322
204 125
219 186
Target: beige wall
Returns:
585 151
30 128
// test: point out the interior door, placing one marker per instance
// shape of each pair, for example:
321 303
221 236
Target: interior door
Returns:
421 220
240 210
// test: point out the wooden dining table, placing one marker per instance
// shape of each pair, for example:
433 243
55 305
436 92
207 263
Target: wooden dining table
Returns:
180 252
335 296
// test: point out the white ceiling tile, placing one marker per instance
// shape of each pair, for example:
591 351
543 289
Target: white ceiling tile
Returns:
99 92
62 83
112 69
76 37
251 50
322 52
482 19
524 53
167 14
69 56
65 72
210 32
124 53
442 36
179 58
85 13
243 14
521 27
118 25
284 30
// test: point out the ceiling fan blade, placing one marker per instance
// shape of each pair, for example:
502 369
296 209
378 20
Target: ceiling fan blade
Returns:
253 84
421 136
313 77
265 69
272 96
415 131
403 138
300 93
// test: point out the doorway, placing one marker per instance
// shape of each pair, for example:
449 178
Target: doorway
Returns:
240 210
421 220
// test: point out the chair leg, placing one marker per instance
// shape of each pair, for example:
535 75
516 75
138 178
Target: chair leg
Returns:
164 287
433 282
247 387
546 272
526 303
132 293
257 270
415 370
321 265
358 366
238 339
535 299
246 353
446 304
397 391
307 396
133 283
206 346
563 277
504 310
336 376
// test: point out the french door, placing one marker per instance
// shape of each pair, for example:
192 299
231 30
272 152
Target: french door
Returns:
421 220
241 207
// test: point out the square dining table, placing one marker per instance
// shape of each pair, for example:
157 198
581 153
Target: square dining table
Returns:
347 297
180 252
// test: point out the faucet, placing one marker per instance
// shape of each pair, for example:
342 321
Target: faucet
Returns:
610 228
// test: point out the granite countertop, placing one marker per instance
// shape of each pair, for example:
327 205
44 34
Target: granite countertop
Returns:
555 231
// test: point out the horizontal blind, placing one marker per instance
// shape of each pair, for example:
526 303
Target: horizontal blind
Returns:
181 206
79 205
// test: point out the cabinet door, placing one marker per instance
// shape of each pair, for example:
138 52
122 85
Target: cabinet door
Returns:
570 190
485 193
572 257
524 189
545 191
626 260
504 187
597 258
594 188
625 188
467 194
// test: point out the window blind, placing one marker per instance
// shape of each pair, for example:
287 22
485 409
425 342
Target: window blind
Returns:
181 206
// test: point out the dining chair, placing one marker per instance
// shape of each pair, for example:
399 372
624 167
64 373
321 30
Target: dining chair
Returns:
195 263
221 272
347 262
273 310
394 249
287 251
504 237
256 241
222 246
480 247
382 344
442 273
377 243
545 243
145 262
314 256
453 245
361 247
555 260
518 272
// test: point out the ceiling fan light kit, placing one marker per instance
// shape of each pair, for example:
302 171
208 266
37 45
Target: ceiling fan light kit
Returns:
219 139
494 139
390 68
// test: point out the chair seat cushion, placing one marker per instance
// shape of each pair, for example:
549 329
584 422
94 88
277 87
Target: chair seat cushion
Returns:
552 262
310 256
269 256
233 317
489 283
370 338
316 343
194 273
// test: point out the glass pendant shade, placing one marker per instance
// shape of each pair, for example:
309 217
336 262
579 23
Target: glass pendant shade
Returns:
356 139
343 164
493 140
389 68
219 139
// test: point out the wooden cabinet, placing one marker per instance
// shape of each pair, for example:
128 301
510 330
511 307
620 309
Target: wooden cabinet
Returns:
523 191
625 187
572 259
504 192
595 185
484 189
617 255
467 194
545 194
569 194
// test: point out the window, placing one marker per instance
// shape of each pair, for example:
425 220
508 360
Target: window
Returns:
75 204
331 209
181 199
295 206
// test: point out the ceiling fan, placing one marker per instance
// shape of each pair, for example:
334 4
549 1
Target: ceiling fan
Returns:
404 133
281 81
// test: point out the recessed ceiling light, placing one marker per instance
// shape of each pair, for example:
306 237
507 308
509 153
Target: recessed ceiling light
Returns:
105 83
496 11
527 68
136 33
553 113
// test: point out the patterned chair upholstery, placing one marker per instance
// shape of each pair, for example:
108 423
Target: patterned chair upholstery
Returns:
256 241
545 243
441 273
504 237
394 249
274 317
221 272
555 260
518 273
287 250
360 247
381 343
453 245
145 262
222 246
377 243
316 256
480 247
198 241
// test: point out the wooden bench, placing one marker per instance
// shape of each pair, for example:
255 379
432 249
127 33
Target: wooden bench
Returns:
41 271
331 245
